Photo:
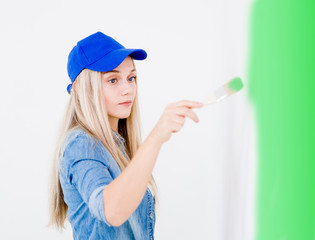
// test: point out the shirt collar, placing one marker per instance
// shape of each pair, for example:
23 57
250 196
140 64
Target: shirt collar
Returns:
118 136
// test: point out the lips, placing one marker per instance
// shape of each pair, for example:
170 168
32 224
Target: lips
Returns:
127 102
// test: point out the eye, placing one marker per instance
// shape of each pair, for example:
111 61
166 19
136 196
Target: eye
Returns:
112 80
132 79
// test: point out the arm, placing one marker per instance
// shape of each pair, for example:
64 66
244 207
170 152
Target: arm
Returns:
123 195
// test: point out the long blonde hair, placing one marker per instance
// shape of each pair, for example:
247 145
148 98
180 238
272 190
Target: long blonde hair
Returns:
86 110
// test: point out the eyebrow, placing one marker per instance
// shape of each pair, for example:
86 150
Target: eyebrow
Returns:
116 71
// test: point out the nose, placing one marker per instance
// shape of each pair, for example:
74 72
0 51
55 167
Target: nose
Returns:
126 87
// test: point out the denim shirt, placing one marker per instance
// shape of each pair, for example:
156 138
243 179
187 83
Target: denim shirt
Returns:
85 169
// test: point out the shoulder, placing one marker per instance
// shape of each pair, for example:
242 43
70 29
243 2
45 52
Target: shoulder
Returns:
79 145
78 139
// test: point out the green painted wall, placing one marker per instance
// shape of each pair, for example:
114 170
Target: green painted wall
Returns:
282 90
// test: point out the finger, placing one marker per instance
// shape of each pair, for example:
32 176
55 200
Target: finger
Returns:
176 127
179 119
188 103
184 111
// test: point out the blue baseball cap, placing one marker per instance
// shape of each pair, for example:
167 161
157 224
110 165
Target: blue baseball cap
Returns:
98 52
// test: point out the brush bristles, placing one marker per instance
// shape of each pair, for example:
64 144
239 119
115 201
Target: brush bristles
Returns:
235 85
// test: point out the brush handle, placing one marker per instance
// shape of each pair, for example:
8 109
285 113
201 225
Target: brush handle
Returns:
223 92
209 100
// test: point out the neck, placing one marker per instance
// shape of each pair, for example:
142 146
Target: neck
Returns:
113 123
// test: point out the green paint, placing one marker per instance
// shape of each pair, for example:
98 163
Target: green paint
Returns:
235 84
282 90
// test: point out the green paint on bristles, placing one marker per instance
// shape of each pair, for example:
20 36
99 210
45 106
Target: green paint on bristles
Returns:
235 84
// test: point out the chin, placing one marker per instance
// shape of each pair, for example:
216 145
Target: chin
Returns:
121 116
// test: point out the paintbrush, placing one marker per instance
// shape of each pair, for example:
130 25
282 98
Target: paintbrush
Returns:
222 92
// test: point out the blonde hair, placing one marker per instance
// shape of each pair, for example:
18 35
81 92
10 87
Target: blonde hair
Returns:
86 110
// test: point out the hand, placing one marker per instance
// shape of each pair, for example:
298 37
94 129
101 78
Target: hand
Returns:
173 119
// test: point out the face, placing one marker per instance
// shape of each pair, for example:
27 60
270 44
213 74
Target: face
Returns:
119 90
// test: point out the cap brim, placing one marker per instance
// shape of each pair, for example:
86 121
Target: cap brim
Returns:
115 58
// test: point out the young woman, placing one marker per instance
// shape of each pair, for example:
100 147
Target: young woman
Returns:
102 173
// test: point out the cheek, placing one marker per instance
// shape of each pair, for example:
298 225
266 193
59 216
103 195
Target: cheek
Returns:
108 99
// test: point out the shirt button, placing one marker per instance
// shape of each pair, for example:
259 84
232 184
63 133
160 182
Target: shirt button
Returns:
151 215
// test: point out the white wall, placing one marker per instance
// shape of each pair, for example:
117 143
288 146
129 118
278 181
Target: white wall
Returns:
205 173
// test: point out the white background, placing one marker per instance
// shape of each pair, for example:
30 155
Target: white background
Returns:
205 173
